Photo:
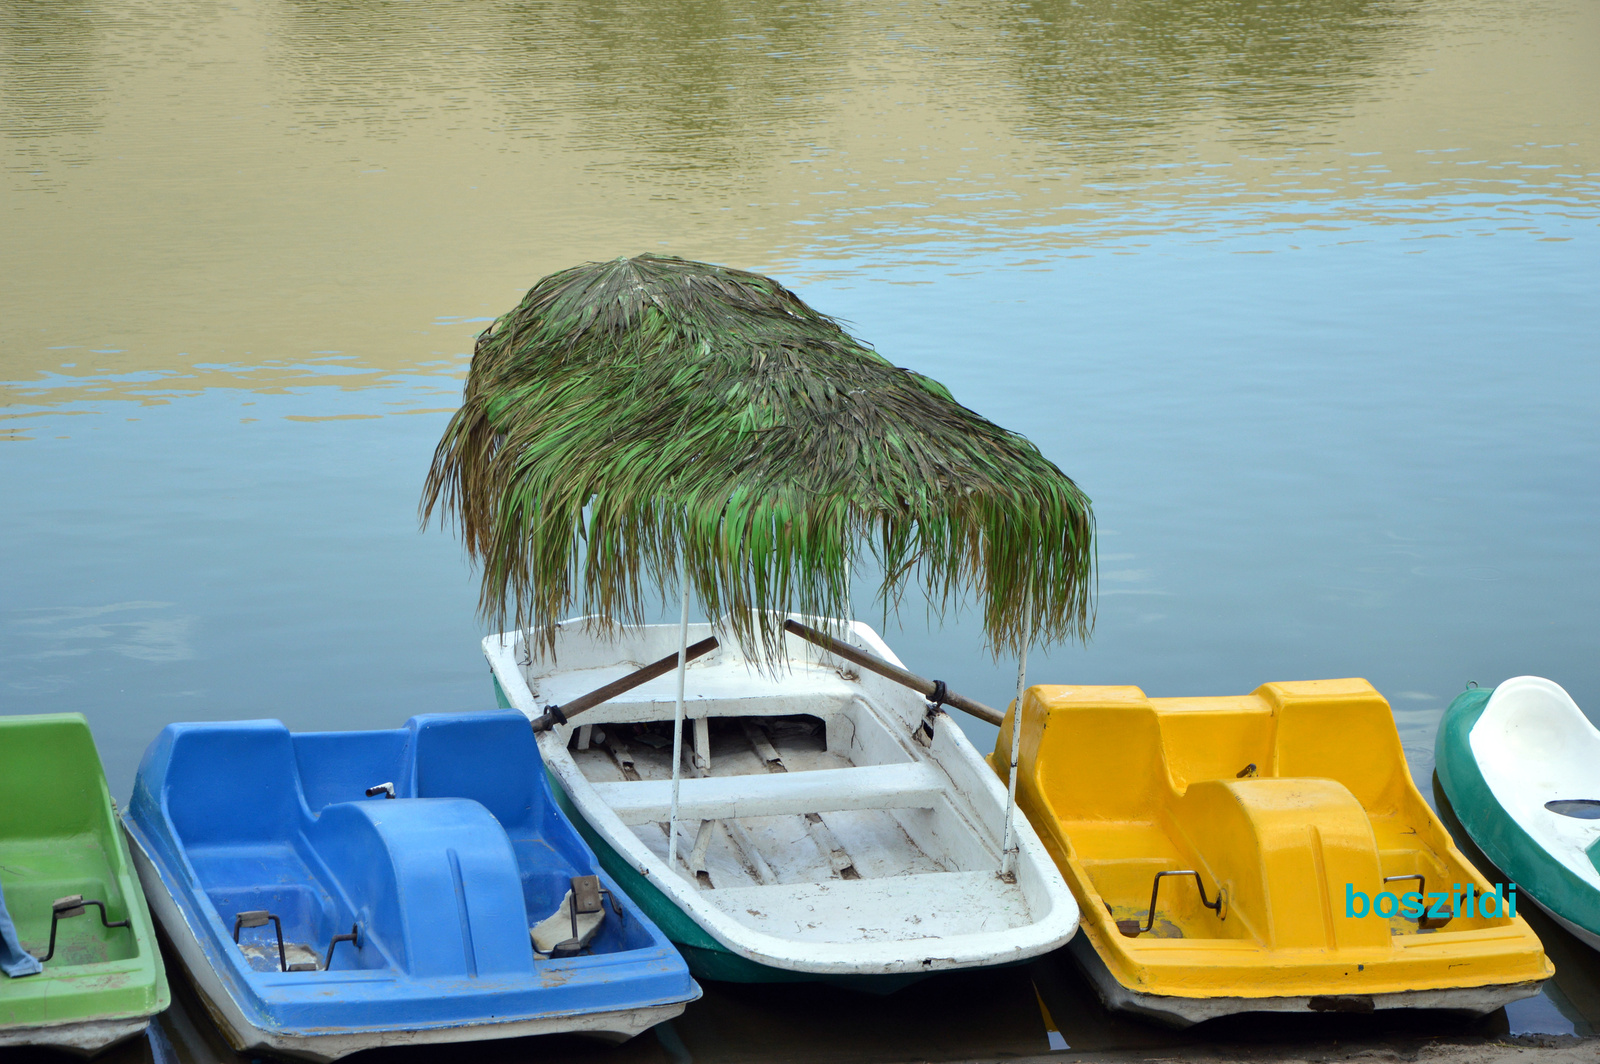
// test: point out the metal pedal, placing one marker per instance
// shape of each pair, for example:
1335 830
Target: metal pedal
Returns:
354 938
1133 929
585 894
74 905
260 918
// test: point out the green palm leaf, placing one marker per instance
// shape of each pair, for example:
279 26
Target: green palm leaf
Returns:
631 416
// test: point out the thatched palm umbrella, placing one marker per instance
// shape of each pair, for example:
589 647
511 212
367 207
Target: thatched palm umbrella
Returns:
648 421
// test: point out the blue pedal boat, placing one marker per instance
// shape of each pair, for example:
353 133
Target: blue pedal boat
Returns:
331 892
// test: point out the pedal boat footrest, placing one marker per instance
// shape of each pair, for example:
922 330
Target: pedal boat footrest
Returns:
569 930
75 905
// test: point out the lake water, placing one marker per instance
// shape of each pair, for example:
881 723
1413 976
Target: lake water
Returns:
1305 296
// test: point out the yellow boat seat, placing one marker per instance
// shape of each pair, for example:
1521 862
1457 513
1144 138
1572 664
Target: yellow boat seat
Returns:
1282 810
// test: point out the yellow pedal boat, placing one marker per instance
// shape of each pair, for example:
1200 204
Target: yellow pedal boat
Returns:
1223 852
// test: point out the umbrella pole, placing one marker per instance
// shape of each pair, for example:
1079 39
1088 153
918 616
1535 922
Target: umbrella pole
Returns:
677 731
1008 844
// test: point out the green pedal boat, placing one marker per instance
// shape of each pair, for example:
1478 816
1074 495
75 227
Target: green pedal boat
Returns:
1521 767
71 911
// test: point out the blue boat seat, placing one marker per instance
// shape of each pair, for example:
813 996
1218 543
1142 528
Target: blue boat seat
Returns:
233 784
434 882
483 757
466 757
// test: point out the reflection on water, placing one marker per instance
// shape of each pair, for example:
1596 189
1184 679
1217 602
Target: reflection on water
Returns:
700 93
699 90
197 187
1305 296
1111 82
51 77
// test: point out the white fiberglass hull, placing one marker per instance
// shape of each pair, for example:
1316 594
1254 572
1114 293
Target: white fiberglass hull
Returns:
816 834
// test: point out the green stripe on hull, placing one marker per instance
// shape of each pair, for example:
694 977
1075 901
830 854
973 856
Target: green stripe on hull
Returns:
1534 869
707 958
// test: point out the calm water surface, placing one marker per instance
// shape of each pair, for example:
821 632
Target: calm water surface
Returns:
1306 296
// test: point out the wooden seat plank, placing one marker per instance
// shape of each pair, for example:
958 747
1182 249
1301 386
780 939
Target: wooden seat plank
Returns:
903 786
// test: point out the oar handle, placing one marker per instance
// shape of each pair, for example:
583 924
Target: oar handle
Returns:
876 664
554 715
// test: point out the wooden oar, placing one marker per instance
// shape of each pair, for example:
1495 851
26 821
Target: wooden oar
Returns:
927 688
554 715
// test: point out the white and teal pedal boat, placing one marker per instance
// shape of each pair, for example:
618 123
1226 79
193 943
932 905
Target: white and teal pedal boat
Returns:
1521 767
822 834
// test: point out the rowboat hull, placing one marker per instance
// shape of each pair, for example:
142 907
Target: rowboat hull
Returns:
912 832
1249 854
1500 757
59 837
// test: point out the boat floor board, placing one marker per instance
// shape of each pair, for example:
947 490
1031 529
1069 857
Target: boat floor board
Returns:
800 749
764 802
764 775
867 910
875 840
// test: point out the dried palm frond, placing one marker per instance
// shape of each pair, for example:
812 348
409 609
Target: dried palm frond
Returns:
636 420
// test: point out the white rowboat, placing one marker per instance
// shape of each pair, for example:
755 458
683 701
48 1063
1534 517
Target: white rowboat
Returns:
818 836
